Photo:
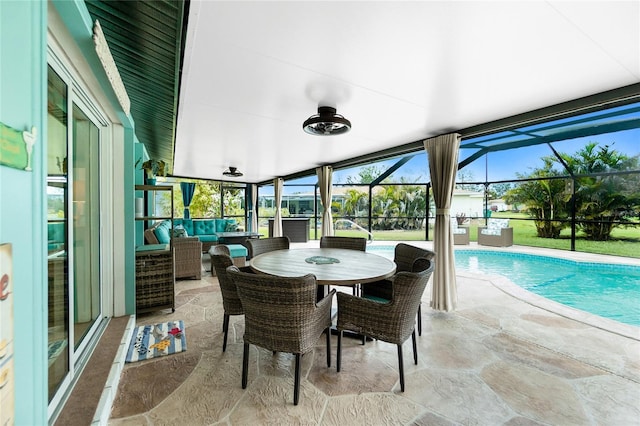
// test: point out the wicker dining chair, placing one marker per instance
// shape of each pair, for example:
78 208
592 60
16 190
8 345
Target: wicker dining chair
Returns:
258 246
407 258
349 243
281 314
391 321
220 261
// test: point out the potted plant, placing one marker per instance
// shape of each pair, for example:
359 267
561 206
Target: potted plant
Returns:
152 169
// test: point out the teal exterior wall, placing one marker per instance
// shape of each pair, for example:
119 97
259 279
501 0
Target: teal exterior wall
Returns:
23 92
23 105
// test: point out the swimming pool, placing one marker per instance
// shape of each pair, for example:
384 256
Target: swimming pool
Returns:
610 291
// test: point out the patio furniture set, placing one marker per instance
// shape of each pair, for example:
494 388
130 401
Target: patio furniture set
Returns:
173 250
284 311
497 233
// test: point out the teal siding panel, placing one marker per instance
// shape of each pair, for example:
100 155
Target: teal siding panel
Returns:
22 208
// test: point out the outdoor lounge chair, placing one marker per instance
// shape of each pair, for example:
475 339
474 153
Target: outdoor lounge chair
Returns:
281 315
460 233
497 233
391 321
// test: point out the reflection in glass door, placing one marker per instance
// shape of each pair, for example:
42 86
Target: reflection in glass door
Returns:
86 224
57 233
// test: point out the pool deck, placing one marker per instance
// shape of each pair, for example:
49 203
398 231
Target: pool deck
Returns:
503 357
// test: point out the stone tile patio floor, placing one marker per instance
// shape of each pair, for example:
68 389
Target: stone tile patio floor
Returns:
496 360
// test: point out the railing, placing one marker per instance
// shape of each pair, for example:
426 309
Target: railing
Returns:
355 225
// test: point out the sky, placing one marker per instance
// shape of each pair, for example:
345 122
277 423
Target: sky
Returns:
505 165
502 165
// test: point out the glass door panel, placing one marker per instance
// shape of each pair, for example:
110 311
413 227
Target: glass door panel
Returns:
86 224
58 233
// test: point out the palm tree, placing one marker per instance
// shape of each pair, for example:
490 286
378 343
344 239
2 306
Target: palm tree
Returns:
354 201
544 199
603 202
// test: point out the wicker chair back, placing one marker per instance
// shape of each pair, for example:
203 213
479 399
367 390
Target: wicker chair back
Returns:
350 243
258 246
220 261
407 258
410 258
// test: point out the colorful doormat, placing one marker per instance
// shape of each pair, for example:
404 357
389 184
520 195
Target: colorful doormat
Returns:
153 341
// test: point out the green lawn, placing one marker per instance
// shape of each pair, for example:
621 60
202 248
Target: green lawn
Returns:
624 241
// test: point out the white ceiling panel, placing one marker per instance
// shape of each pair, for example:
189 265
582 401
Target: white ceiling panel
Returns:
400 71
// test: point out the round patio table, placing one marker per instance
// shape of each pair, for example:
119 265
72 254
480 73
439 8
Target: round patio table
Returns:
331 266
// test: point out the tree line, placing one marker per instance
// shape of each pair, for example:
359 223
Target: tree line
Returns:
598 183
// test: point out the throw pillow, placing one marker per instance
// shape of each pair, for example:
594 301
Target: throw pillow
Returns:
180 232
231 227
162 233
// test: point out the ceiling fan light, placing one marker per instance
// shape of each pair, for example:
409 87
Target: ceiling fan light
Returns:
232 172
326 123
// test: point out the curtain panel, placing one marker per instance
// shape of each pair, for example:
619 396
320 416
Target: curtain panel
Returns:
325 174
254 208
278 183
187 188
443 166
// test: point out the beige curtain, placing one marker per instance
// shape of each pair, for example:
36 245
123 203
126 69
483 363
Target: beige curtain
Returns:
254 207
277 220
443 166
324 182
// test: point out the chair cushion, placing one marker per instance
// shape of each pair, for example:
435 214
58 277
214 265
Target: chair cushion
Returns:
208 238
499 223
455 228
220 225
204 227
237 250
152 247
495 226
375 298
488 231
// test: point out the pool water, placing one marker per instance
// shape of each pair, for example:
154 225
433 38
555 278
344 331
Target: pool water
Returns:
610 291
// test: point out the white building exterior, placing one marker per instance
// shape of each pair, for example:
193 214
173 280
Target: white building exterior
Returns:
469 203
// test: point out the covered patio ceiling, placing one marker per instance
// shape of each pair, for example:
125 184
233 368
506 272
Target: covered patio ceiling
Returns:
252 72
